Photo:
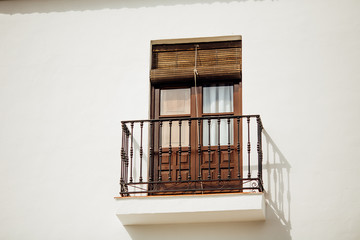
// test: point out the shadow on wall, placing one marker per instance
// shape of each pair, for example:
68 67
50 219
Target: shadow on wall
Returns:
277 184
36 6
276 226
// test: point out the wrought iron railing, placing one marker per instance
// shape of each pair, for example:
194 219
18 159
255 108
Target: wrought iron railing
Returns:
211 154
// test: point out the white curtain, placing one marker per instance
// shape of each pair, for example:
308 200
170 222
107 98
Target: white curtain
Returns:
218 99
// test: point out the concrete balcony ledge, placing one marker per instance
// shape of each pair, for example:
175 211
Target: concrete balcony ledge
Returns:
191 209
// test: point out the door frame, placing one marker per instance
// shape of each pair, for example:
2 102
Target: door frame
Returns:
155 114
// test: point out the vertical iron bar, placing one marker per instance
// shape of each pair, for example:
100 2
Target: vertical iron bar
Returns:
238 146
219 152
131 151
261 152
199 147
229 154
179 177
141 150
122 165
151 155
127 156
209 148
160 151
248 146
259 148
189 151
170 150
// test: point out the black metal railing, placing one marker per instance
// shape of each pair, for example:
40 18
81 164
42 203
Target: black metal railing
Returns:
191 155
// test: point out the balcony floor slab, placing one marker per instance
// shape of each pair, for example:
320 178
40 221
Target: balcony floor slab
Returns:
232 207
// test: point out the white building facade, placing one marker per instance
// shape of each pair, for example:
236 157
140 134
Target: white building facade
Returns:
70 71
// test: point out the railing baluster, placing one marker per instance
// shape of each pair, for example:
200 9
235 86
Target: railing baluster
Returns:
160 151
259 147
209 148
141 150
199 147
170 150
229 154
127 156
122 153
151 154
238 146
219 152
189 151
261 152
248 146
122 165
179 177
131 151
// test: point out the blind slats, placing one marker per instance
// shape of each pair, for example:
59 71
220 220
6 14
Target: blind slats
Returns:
187 73
213 63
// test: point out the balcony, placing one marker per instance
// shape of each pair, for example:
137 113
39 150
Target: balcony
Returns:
205 155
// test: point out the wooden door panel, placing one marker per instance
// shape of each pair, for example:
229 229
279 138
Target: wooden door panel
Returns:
214 164
183 164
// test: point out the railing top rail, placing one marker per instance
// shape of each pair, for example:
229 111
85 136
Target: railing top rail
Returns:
192 118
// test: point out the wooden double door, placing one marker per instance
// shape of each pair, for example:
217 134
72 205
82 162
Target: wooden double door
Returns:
193 156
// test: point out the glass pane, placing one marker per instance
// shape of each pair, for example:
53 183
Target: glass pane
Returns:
218 99
165 135
175 101
214 133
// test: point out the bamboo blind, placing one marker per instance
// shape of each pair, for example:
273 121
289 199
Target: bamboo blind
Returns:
215 60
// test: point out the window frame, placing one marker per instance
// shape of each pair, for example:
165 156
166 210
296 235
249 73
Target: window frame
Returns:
155 89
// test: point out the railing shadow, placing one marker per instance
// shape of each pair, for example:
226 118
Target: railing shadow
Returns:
277 185
24 7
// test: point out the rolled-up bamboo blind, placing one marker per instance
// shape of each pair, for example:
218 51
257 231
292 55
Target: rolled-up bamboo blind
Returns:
215 60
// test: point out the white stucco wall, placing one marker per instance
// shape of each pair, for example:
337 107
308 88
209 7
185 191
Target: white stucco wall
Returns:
70 71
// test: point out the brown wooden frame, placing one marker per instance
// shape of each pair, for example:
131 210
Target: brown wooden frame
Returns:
155 114
156 86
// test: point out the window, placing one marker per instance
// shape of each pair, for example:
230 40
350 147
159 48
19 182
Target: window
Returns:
174 102
218 100
195 87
